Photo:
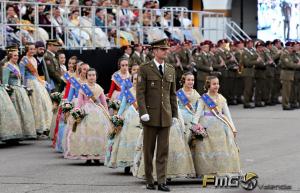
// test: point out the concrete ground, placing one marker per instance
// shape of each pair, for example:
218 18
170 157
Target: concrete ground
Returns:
268 139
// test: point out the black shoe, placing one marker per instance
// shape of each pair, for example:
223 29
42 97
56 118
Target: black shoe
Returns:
96 162
127 170
150 186
248 106
259 104
88 162
163 187
287 108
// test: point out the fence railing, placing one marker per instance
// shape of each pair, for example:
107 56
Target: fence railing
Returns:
90 27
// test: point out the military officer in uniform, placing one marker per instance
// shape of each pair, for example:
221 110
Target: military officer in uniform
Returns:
260 75
276 51
173 59
203 65
229 85
239 45
127 51
52 64
136 57
249 59
295 96
270 74
288 67
186 58
156 98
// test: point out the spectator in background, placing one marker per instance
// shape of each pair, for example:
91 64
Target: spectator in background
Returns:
185 21
100 18
58 21
44 20
29 15
11 16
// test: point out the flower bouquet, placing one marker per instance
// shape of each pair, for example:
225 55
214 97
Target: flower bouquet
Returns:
118 123
56 97
78 114
198 131
114 106
66 106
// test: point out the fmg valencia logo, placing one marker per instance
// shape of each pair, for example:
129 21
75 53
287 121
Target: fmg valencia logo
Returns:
249 181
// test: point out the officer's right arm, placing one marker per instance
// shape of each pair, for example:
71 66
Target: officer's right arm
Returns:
141 91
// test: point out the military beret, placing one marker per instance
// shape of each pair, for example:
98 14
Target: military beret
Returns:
206 42
289 44
213 45
259 43
222 41
276 41
268 43
248 41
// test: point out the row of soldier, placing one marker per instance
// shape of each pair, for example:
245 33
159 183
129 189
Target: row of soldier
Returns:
252 73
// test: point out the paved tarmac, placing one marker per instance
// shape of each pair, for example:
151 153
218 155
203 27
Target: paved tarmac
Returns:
269 140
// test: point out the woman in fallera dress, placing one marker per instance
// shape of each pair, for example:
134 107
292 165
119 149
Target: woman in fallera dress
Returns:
189 111
121 148
88 140
64 128
117 79
40 99
10 124
19 97
218 153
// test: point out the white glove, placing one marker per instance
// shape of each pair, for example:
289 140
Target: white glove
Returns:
145 117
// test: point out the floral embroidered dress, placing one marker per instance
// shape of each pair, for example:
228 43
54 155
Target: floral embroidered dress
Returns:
217 153
40 99
90 138
20 99
10 124
121 148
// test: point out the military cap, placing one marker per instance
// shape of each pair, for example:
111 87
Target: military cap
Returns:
39 44
10 48
53 42
289 44
163 43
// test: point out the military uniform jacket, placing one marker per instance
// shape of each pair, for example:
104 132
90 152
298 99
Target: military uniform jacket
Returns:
53 67
135 59
203 64
261 67
287 66
186 59
156 94
249 60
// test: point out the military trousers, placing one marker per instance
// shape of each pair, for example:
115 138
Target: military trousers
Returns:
268 88
200 86
260 91
248 89
295 95
276 87
286 92
158 136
